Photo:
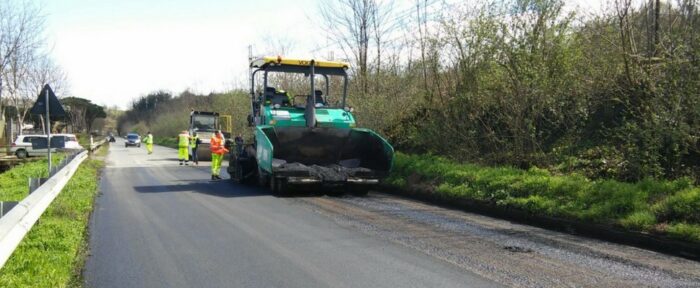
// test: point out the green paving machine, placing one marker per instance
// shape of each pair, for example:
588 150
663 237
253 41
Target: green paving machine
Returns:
307 139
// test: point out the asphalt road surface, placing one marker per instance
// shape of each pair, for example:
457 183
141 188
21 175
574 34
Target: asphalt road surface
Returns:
158 224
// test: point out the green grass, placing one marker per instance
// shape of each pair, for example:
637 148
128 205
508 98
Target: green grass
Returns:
14 182
53 253
165 141
670 208
84 140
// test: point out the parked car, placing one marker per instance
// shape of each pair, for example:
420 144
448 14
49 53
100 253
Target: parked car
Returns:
71 141
22 147
132 139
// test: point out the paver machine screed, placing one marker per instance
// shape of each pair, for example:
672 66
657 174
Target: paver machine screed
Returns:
307 139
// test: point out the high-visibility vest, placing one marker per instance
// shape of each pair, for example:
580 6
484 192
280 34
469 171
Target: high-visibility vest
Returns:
149 139
216 146
193 141
183 140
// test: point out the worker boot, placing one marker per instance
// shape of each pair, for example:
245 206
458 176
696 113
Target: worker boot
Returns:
213 177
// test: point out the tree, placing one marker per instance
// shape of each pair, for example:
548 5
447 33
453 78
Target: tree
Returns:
354 24
82 113
93 112
21 25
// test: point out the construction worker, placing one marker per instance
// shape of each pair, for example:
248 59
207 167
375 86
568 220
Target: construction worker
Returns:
194 143
149 142
183 145
288 101
217 154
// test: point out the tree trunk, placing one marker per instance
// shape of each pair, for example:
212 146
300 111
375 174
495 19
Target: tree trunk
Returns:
657 12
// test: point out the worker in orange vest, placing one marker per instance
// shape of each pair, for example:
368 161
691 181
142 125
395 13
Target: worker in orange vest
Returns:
217 154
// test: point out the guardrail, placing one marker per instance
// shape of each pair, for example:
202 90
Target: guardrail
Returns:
16 224
95 145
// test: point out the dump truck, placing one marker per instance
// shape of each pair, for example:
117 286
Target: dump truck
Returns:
205 124
309 139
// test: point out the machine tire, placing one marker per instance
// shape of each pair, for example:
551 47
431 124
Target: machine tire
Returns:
278 186
263 178
21 154
237 173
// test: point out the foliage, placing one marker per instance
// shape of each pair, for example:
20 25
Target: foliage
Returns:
166 141
668 207
82 113
171 114
528 83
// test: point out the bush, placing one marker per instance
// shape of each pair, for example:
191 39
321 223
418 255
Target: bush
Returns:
685 231
681 206
642 220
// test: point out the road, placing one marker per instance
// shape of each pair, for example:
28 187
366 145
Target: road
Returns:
157 224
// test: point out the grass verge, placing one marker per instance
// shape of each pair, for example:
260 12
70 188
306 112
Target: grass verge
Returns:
165 141
14 185
668 208
53 253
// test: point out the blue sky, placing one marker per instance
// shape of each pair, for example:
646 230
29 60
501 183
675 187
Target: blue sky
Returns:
113 51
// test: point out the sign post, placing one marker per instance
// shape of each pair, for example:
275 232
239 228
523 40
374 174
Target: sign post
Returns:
47 103
48 129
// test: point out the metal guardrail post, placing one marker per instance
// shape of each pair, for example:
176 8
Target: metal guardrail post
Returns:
98 144
6 206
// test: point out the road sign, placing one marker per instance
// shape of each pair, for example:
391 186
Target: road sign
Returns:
55 108
47 103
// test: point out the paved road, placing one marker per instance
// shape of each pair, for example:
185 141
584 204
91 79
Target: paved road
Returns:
160 225
157 224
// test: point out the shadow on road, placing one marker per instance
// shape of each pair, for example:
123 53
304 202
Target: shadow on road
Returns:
221 188
174 160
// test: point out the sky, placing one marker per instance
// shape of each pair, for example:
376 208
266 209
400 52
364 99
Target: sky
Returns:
115 51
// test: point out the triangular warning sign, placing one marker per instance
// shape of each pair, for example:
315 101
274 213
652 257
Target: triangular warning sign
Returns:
55 108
